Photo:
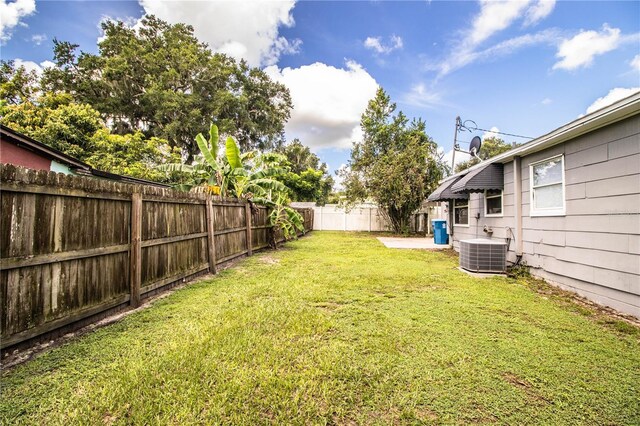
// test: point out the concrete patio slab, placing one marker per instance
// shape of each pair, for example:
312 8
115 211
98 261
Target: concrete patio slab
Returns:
411 243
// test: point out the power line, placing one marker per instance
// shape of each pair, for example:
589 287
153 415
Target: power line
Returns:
503 133
474 127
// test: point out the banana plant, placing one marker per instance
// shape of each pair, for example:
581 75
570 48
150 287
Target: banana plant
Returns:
232 174
249 175
282 217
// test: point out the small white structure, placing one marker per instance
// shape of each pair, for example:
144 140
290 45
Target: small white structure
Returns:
367 217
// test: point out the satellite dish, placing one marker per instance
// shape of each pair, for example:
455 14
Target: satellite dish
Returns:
474 146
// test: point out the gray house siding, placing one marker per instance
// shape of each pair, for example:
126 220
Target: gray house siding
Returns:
503 227
594 248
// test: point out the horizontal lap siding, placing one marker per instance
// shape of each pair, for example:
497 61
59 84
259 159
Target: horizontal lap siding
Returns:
502 226
595 248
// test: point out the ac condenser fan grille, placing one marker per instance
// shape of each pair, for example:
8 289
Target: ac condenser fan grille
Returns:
480 255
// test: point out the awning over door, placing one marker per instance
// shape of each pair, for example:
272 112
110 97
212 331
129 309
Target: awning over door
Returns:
444 193
485 178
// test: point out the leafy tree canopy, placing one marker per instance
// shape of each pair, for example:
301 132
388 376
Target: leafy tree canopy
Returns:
17 85
308 179
491 147
77 129
161 80
396 165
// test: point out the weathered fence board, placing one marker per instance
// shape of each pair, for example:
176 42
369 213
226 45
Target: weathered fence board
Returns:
74 247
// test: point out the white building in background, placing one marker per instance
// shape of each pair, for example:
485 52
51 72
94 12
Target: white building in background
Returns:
366 217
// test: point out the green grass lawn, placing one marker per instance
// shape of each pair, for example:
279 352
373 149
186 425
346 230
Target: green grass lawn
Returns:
337 329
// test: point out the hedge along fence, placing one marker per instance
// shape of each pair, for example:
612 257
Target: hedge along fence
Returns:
72 248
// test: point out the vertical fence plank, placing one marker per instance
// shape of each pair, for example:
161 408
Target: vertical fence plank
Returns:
135 272
247 214
211 241
97 244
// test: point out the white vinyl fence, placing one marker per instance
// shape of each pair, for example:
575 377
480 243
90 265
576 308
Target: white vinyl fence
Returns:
366 217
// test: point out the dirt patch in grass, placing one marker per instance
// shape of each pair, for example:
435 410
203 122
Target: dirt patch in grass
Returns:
268 260
426 414
526 387
330 306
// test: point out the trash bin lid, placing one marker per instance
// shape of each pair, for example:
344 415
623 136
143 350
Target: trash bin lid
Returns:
438 220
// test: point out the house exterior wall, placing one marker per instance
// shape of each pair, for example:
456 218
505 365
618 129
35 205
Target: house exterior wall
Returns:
594 248
13 154
61 168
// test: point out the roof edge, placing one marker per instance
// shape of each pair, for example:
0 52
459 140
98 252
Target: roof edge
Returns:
605 116
45 149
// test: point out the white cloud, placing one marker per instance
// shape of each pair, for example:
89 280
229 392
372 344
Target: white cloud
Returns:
494 17
460 157
376 44
242 29
11 14
32 66
338 181
461 58
635 63
547 101
539 11
492 133
327 102
580 50
38 39
421 97
614 95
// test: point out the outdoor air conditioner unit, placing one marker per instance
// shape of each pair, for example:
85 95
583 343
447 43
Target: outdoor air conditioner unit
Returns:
482 255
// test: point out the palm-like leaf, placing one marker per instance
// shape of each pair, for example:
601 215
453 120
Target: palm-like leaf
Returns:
233 153
176 167
213 139
267 184
206 153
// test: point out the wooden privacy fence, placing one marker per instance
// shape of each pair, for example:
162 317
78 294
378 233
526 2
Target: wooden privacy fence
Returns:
72 248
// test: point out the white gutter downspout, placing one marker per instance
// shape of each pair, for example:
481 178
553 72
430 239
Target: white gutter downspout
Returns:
517 190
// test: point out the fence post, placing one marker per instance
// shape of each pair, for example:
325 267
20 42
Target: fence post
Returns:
247 209
135 256
304 221
211 242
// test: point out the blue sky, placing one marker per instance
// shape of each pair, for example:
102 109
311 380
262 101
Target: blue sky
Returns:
522 67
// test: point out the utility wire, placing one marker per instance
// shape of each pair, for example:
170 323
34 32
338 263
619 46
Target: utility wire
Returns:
473 127
502 133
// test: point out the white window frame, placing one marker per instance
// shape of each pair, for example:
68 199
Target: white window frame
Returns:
501 195
466 225
555 211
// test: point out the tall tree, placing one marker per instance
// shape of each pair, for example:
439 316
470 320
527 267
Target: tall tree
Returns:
77 130
300 157
17 85
396 165
308 179
161 80
491 147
